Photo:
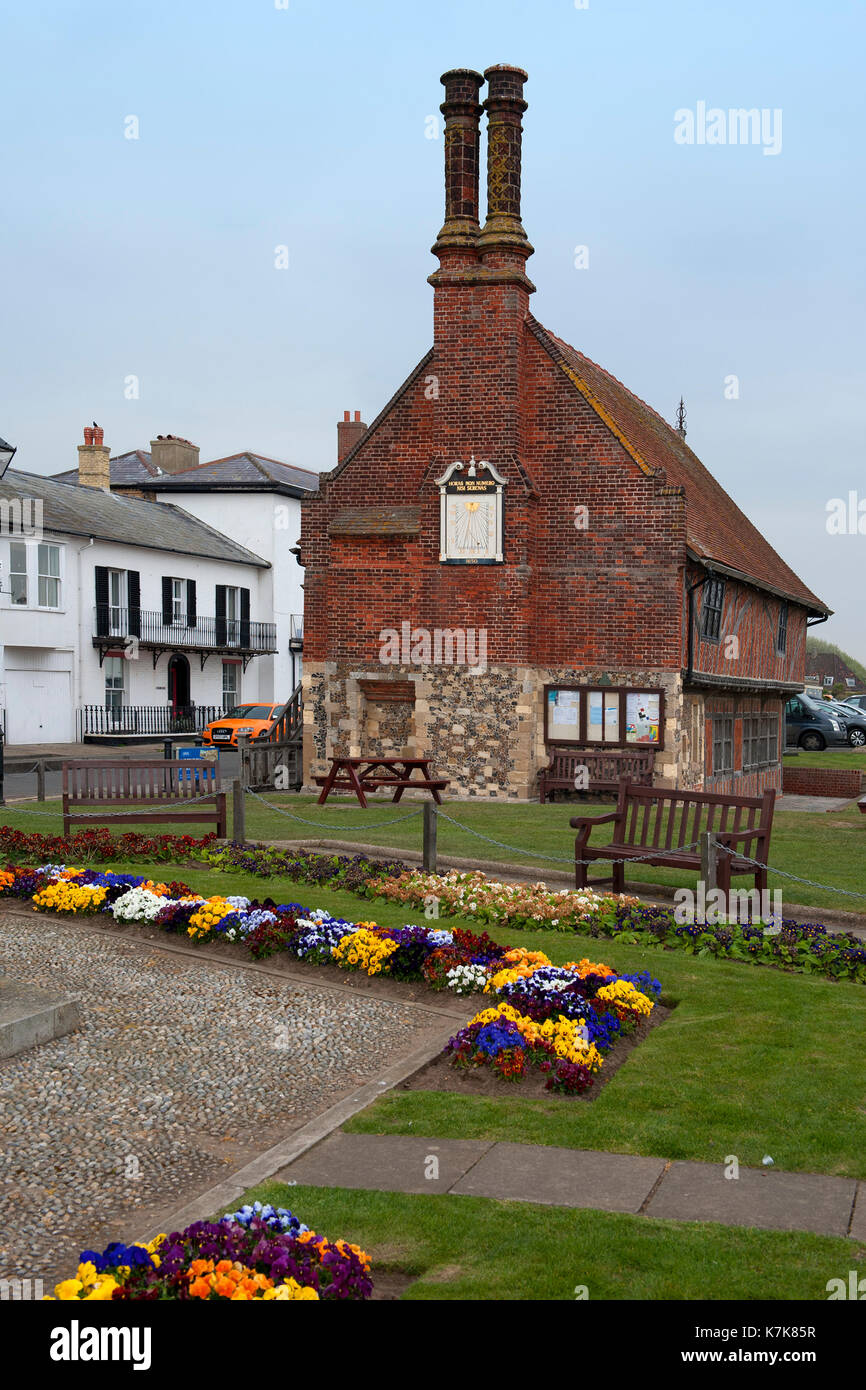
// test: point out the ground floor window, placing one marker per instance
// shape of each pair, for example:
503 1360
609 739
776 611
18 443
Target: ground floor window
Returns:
114 667
231 684
723 743
760 741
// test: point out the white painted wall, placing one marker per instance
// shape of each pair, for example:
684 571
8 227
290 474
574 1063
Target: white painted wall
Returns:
268 524
49 665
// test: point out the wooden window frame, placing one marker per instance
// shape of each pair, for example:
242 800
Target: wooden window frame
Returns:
718 720
622 692
712 611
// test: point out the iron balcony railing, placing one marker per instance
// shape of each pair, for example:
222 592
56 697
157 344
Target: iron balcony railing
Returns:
195 632
145 719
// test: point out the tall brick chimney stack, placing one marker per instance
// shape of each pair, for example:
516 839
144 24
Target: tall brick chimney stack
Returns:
503 244
94 460
455 244
481 299
349 431
171 454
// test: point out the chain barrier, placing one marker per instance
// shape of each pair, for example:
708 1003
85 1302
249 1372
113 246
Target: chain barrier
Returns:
783 873
323 825
558 858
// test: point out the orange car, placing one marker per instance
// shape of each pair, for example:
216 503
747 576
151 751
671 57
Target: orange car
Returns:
257 721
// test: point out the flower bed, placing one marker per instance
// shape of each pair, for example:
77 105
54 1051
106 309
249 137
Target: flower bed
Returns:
254 1253
100 847
561 1019
808 947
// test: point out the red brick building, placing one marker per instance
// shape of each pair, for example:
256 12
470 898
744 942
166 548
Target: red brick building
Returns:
527 551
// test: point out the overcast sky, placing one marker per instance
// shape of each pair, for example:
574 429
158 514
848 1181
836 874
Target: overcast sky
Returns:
306 127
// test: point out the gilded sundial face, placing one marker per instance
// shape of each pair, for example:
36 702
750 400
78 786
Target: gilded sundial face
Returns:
471 521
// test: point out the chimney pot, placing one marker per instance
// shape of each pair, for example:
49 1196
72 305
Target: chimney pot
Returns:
347 414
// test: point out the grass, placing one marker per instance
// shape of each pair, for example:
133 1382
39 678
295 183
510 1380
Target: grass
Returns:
824 847
852 761
753 1061
472 1248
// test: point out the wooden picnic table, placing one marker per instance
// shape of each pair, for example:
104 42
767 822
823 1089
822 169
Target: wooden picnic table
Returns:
360 775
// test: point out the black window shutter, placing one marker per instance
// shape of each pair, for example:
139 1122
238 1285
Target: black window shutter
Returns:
191 616
245 617
167 606
133 598
220 615
101 577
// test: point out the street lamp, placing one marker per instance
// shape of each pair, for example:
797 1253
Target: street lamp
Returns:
7 454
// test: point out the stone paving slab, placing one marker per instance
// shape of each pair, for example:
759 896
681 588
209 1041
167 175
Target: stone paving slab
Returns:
769 1200
30 1015
562 1177
386 1162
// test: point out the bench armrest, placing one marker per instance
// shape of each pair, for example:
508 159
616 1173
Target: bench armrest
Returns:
724 835
577 822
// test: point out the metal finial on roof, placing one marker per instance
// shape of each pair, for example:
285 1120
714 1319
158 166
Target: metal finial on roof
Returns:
681 419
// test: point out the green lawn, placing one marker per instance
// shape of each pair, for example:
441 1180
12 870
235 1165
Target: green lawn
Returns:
827 848
853 760
471 1248
752 1061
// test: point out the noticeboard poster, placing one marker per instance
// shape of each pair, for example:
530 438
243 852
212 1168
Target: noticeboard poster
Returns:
563 715
641 717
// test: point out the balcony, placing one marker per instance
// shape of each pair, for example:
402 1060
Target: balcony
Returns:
115 628
141 721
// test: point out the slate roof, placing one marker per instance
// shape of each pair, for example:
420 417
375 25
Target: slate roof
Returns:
69 509
717 531
127 470
243 470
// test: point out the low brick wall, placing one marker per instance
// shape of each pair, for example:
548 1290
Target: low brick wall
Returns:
820 781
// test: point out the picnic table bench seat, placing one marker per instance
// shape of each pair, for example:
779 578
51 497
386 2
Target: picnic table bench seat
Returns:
662 827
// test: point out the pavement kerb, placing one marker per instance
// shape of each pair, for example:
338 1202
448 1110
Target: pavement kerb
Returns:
659 894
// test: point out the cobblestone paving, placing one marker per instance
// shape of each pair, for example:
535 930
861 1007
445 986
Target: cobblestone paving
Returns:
176 1060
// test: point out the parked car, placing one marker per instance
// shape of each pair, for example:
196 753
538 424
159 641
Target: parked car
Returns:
810 724
258 721
858 702
854 718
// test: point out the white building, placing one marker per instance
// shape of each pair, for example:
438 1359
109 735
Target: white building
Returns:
121 613
252 499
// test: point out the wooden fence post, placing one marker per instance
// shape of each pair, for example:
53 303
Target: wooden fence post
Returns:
244 757
239 812
709 860
430 826
40 780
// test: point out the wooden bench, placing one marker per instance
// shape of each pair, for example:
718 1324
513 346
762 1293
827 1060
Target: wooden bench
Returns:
605 766
655 826
155 792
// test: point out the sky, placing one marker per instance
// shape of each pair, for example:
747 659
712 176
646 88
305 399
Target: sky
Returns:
143 286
